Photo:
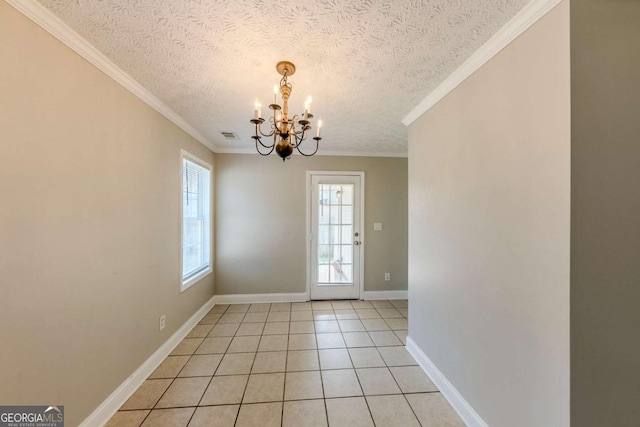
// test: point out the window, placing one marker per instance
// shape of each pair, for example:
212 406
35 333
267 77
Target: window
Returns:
196 219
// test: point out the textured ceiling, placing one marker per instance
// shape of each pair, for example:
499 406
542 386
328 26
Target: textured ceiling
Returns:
366 63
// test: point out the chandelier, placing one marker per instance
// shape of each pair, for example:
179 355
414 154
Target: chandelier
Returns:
288 132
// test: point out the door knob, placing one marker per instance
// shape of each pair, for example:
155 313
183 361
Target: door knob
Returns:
356 243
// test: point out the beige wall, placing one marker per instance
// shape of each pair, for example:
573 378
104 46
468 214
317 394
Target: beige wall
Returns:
605 213
89 225
489 231
260 221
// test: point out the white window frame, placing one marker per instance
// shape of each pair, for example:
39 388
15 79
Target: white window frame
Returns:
192 280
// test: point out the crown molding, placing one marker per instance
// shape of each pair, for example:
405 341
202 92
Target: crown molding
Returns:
57 28
60 30
512 29
321 152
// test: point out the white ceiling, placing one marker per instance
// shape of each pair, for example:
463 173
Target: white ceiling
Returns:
367 63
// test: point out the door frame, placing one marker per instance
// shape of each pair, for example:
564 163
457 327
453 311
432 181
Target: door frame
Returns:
308 213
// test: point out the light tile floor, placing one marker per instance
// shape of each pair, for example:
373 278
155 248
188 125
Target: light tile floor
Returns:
336 363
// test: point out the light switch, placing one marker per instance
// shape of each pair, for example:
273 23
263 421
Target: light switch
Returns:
377 226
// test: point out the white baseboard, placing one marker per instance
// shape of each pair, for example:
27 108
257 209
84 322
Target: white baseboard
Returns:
297 297
459 404
259 298
110 406
372 295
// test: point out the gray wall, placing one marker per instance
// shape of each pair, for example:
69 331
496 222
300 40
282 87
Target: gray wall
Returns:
605 213
89 225
489 231
260 221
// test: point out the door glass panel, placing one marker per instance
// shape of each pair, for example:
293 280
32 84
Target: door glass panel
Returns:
324 196
334 212
323 234
335 234
324 254
346 235
336 194
340 273
347 194
347 214
347 254
347 275
323 217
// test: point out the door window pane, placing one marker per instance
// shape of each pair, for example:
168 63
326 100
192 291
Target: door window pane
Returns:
347 194
346 235
336 194
346 254
340 272
323 234
334 212
347 273
324 254
347 214
335 233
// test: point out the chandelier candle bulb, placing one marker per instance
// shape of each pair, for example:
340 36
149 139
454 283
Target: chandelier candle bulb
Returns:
318 130
258 106
275 94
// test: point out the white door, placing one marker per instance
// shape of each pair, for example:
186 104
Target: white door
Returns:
335 236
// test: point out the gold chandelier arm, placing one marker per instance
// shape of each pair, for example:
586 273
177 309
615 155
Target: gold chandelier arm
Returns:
296 138
301 135
258 132
301 132
317 140
258 139
267 135
271 147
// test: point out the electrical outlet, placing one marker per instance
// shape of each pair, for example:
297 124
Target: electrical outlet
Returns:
163 321
387 277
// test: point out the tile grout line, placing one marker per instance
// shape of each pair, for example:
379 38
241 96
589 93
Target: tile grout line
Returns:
284 386
324 395
244 391
212 375
393 376
334 317
215 370
174 380
364 397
